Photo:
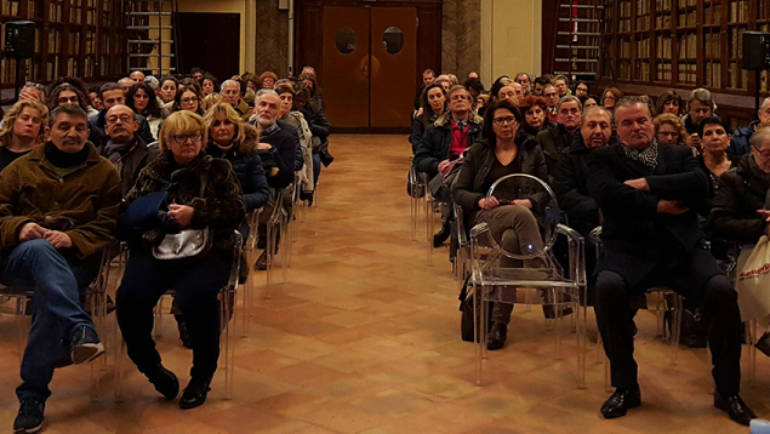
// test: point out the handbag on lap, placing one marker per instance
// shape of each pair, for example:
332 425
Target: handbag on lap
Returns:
187 244
752 280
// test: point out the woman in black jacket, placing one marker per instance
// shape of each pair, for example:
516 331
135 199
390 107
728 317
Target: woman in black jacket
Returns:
510 214
433 105
535 111
741 208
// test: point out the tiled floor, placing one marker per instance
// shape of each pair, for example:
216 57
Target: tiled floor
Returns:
364 337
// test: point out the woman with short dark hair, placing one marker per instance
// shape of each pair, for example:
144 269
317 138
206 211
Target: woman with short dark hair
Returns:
509 213
535 111
209 84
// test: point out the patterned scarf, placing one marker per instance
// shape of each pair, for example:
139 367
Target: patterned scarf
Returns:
647 156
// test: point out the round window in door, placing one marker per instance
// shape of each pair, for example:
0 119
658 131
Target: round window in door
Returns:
346 40
393 39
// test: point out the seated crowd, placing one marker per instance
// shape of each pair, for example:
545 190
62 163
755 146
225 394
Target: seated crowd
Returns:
675 194
75 166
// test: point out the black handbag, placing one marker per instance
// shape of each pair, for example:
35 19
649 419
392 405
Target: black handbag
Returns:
466 307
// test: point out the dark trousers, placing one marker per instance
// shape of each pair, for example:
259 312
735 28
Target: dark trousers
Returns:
615 319
196 286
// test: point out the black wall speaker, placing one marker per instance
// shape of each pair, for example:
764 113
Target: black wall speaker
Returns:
20 39
756 50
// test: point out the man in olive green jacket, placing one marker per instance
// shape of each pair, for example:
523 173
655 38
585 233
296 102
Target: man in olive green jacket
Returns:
58 211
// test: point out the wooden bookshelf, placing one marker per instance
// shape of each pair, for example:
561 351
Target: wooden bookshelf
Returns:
682 44
82 38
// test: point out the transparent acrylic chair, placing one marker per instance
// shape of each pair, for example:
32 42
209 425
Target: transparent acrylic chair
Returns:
416 190
666 301
753 332
95 304
558 287
461 263
250 252
227 305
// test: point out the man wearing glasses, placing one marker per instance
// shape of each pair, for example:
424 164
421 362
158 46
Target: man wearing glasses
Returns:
124 148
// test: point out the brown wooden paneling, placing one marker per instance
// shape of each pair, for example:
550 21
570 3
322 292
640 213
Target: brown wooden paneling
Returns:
549 25
309 33
428 40
392 88
346 82
207 33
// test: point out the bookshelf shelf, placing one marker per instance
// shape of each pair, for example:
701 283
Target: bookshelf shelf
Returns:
84 38
681 43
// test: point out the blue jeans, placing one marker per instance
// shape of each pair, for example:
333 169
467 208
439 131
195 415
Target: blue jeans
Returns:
56 310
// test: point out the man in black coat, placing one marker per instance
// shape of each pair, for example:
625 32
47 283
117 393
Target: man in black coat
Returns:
570 181
646 192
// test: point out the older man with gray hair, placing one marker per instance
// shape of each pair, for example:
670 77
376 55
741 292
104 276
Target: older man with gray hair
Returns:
232 92
739 144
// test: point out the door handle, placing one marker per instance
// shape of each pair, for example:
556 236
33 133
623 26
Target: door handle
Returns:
363 68
375 67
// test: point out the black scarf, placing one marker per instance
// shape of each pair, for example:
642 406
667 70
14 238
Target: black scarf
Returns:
64 160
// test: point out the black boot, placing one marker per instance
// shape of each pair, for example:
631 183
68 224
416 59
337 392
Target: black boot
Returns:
442 235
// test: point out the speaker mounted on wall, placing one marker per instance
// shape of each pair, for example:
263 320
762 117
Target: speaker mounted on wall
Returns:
20 39
756 50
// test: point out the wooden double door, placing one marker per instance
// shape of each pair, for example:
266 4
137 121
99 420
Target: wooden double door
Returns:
369 63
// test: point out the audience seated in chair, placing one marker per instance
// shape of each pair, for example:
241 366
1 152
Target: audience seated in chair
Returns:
24 128
512 224
647 193
202 192
124 147
111 95
295 118
739 142
742 205
556 141
571 174
444 142
58 210
280 152
231 93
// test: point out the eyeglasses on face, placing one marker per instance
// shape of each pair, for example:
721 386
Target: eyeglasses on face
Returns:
504 121
123 118
181 139
65 100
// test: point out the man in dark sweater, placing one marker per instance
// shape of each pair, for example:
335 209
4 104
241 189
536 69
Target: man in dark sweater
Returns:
280 153
279 143
124 147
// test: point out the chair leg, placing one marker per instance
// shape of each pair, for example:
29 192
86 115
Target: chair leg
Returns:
429 231
227 350
677 327
414 206
751 338
580 332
